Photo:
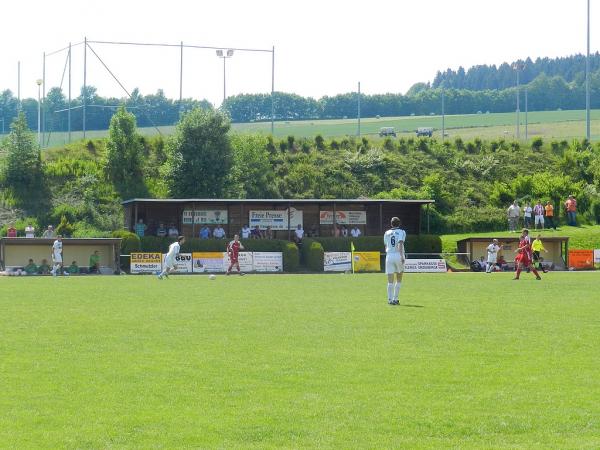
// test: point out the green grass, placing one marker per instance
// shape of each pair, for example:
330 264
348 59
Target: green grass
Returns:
304 361
545 124
585 237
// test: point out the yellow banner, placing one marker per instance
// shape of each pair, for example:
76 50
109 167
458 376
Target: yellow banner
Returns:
366 262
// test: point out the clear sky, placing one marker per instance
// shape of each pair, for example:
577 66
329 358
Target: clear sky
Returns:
321 47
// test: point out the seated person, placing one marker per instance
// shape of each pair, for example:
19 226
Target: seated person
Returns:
31 268
501 262
219 232
161 231
475 266
73 269
94 262
255 233
482 263
344 231
44 267
204 232
173 231
269 233
246 232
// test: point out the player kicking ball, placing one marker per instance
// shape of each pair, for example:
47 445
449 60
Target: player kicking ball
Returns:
233 251
57 259
394 259
170 259
524 257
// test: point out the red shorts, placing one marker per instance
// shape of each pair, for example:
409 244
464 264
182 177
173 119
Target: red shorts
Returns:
523 258
233 259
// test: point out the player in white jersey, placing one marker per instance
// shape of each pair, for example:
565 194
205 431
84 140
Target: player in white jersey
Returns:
57 259
170 259
492 255
394 259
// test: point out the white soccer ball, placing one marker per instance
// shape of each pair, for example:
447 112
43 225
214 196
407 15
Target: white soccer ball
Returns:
212 277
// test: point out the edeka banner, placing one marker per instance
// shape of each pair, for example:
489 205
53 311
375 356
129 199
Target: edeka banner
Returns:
276 219
581 259
183 262
425 265
145 262
343 217
208 262
367 262
268 261
337 261
205 216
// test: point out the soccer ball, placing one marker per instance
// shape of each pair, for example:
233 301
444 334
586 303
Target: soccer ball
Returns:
212 277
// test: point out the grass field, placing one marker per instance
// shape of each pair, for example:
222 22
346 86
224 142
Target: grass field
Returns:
300 361
547 124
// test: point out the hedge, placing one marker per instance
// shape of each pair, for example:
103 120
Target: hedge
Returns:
312 254
291 257
130 242
420 243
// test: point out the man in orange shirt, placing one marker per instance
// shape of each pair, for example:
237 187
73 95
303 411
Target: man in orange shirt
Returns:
571 207
550 215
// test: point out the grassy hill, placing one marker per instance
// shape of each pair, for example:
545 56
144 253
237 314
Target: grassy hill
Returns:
545 124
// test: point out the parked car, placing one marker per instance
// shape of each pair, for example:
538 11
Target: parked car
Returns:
423 131
387 131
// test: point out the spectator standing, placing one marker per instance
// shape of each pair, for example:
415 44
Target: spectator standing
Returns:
161 231
527 215
11 232
49 233
344 231
29 231
355 232
94 262
571 207
550 215
140 228
204 232
219 232
255 233
246 231
538 212
298 234
269 233
513 213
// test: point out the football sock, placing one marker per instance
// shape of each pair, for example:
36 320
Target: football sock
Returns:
396 290
518 272
535 272
390 291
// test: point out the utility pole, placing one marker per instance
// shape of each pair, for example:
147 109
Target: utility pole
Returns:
358 112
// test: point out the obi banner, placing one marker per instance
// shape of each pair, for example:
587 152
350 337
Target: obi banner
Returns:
276 219
268 261
366 262
343 217
425 265
212 216
208 262
581 259
145 263
183 263
337 261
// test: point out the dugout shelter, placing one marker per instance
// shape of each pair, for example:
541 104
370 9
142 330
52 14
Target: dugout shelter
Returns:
317 216
15 252
557 246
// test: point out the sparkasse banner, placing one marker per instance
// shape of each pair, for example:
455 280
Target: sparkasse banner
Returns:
425 265
145 263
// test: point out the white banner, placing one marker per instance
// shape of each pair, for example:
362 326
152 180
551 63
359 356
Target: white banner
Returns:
268 261
245 260
276 219
205 216
425 265
337 261
343 217
145 263
183 262
596 256
208 261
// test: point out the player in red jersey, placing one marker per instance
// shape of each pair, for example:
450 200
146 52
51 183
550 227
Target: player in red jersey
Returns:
524 256
233 251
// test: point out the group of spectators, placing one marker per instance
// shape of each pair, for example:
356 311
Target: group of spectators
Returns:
140 228
44 267
48 233
539 216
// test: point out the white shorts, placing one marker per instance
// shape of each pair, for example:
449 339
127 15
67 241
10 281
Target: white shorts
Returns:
170 262
539 220
57 258
393 264
493 260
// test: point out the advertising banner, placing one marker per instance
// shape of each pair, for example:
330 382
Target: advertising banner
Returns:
343 217
276 219
367 262
205 216
425 265
581 259
183 263
337 261
244 258
597 256
268 261
208 262
145 262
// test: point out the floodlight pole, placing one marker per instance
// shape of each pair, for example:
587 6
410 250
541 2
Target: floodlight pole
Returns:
526 116
273 91
443 118
84 81
518 67
224 55
69 111
39 123
43 100
358 112
587 78
181 77
19 86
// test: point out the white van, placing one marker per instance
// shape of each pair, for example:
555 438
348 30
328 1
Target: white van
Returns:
387 131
